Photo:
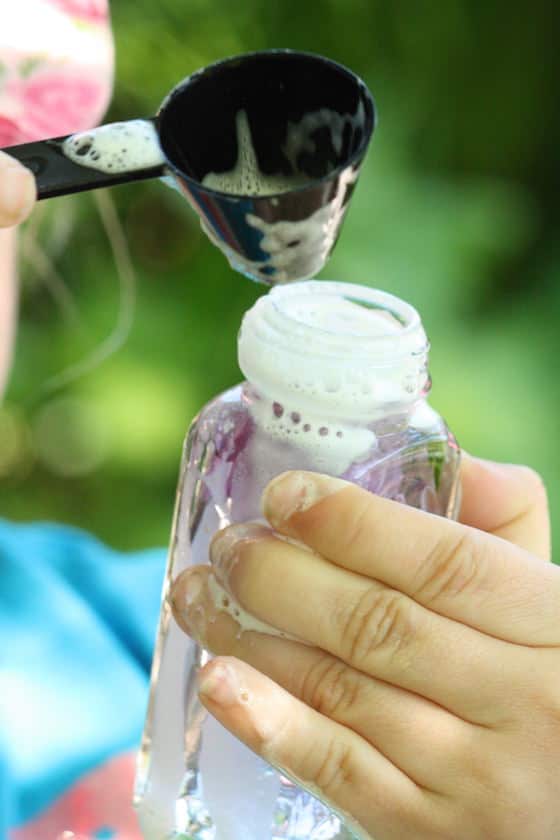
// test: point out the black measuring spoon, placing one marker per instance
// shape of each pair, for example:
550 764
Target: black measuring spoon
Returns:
308 116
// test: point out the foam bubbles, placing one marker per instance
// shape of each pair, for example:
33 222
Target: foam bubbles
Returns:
329 445
224 602
246 177
299 135
116 147
296 250
340 316
330 359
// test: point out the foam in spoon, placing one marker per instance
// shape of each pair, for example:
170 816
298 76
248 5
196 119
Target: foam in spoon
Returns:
246 177
116 147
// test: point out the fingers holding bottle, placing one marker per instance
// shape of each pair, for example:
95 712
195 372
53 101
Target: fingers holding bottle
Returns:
507 500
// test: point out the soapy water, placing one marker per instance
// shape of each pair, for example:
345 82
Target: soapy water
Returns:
225 602
116 147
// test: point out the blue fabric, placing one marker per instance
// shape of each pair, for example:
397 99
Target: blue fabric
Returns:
77 626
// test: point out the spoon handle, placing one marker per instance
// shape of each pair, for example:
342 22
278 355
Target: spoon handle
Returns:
58 175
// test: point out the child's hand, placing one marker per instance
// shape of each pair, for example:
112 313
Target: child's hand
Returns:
425 701
18 191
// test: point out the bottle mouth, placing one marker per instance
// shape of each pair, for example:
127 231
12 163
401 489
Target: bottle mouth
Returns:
344 320
338 345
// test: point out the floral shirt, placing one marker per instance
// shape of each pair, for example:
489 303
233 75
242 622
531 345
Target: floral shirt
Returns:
56 68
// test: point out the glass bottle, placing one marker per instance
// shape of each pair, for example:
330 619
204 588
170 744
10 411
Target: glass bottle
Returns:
336 382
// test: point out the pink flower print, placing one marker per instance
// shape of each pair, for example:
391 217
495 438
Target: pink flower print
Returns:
96 11
10 135
98 806
57 103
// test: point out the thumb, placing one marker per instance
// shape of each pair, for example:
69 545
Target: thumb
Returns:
508 501
18 191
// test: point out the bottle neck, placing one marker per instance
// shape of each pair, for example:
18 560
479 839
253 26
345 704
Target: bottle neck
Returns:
335 350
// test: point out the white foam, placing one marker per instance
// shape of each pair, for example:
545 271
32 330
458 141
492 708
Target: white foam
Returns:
224 602
424 418
329 446
329 359
116 147
299 134
295 250
299 250
246 177
338 314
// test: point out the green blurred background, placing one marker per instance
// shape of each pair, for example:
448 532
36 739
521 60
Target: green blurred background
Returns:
456 211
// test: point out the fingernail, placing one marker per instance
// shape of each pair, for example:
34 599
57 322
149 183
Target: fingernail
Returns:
219 683
17 192
296 492
185 597
224 546
193 588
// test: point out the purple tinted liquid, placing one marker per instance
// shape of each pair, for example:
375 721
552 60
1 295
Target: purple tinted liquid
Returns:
406 464
225 793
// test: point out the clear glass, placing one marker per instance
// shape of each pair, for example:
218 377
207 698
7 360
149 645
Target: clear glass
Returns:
195 781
